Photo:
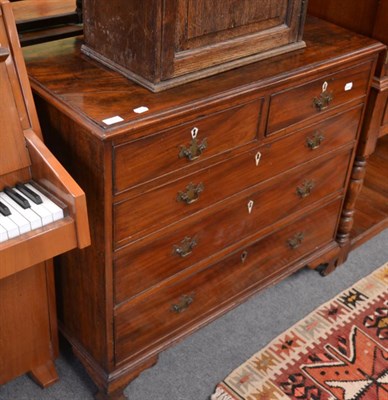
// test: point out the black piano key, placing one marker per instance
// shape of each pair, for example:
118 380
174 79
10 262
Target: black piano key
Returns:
23 202
4 210
33 196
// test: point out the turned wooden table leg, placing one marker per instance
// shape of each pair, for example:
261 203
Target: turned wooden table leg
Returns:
355 186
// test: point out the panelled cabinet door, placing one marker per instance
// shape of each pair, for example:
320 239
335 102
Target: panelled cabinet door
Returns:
206 33
164 43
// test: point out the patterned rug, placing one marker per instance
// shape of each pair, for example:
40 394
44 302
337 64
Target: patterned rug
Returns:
338 352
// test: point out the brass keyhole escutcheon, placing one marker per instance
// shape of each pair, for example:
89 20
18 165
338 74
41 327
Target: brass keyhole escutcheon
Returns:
250 205
244 256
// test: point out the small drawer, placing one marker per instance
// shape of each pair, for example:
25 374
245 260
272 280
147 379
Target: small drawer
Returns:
159 154
154 319
159 207
293 105
159 256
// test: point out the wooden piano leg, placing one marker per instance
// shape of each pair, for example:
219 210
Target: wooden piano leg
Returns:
44 375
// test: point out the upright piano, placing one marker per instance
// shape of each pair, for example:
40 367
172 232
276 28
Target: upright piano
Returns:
42 214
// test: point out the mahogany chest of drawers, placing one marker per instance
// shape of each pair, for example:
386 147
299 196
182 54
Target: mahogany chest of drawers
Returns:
200 195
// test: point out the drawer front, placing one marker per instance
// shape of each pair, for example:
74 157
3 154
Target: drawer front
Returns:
156 318
159 256
157 208
147 158
291 106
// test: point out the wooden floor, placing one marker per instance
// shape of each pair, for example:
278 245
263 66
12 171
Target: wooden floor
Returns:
371 215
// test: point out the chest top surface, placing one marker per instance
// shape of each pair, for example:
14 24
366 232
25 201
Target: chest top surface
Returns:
95 93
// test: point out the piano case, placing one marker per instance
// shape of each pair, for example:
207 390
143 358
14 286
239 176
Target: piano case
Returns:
28 330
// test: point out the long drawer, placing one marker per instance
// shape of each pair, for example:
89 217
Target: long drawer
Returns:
147 158
159 207
153 319
161 255
293 105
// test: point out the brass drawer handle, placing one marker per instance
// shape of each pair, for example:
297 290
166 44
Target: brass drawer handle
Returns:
295 241
191 194
314 142
322 101
185 247
195 149
305 188
184 304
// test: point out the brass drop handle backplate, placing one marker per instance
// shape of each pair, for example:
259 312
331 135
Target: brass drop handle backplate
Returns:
305 188
185 247
183 304
194 149
315 141
191 193
296 240
322 101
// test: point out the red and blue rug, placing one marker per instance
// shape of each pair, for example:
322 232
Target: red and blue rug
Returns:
338 352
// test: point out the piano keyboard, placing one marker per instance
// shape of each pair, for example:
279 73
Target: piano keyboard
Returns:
23 209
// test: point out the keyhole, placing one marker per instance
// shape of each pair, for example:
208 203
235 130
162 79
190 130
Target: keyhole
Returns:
250 206
194 132
324 86
257 158
244 256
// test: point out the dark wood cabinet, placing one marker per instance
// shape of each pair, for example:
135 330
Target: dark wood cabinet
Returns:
160 44
368 17
199 195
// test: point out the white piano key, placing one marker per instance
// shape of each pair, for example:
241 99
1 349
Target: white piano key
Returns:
44 214
55 210
3 234
10 226
22 223
33 218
